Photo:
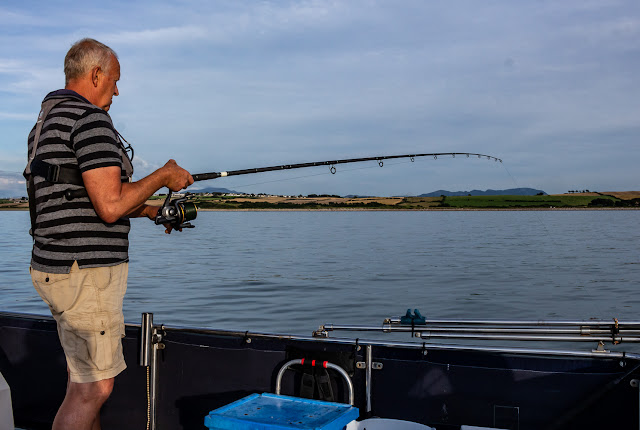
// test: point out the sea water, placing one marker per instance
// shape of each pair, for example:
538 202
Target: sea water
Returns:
290 271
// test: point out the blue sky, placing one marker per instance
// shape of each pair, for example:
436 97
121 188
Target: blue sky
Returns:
548 86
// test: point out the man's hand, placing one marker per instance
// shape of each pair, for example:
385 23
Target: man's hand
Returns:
177 178
113 199
151 212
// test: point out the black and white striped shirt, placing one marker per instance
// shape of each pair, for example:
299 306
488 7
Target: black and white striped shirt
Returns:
75 134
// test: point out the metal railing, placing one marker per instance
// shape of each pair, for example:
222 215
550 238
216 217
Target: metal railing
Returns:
599 331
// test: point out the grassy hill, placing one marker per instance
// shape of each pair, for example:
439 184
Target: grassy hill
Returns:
585 200
625 199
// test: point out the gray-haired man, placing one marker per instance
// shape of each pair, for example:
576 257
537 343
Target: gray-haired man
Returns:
79 263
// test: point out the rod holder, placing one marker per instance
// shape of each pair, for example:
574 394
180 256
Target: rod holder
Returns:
146 336
369 361
150 342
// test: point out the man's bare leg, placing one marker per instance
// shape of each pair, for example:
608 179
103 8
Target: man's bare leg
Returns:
80 409
96 423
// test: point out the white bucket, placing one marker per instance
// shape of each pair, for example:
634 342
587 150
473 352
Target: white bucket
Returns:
478 428
6 413
386 424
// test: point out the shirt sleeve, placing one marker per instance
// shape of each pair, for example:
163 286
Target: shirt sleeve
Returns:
94 141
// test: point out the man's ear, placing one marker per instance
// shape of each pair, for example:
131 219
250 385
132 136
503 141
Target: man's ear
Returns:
94 75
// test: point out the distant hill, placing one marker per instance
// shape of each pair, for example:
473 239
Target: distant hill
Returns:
509 192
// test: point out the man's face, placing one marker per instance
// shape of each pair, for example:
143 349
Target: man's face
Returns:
107 85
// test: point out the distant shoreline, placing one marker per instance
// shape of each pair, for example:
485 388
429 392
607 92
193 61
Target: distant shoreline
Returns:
625 200
392 210
416 210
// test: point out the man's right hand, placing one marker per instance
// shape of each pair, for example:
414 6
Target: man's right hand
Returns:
112 199
176 177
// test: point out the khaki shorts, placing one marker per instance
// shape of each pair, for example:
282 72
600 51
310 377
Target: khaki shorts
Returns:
87 305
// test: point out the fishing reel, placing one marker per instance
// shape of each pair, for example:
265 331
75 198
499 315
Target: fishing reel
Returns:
177 212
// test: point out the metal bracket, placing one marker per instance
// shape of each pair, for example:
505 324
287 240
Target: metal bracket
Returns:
375 365
600 348
158 337
321 332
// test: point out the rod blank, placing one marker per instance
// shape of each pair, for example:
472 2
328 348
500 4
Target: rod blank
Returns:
214 175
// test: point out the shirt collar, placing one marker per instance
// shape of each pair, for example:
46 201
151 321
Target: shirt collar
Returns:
66 93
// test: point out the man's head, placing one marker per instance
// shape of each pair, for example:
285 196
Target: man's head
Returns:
92 70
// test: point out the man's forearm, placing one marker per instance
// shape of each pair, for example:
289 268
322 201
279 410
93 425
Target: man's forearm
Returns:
113 199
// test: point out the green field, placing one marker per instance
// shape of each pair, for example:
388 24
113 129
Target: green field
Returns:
421 203
564 201
234 204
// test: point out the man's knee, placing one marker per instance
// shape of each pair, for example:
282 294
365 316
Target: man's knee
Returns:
104 388
93 392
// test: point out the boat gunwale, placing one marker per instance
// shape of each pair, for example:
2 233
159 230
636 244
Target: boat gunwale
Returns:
605 354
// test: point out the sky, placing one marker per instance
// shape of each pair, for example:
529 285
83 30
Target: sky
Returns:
549 87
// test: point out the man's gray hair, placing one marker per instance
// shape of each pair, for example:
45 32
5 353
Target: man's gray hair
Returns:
84 55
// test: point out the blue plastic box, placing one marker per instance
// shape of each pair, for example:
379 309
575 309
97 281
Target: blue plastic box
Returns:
276 412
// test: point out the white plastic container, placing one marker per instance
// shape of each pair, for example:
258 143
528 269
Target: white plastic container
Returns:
478 428
386 424
6 412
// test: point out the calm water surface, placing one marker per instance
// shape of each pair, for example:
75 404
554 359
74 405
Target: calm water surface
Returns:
291 271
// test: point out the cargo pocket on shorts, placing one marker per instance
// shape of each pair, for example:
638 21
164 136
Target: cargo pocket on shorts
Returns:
90 340
102 353
54 289
101 277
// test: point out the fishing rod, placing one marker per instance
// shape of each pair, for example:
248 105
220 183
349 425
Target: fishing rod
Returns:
180 211
333 163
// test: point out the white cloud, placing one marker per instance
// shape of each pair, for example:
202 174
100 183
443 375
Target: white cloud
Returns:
142 167
16 116
12 184
12 66
233 84
160 36
27 77
7 178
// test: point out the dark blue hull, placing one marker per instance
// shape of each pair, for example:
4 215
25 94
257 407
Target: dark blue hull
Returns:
201 370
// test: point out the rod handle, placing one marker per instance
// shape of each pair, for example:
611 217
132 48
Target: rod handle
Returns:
205 176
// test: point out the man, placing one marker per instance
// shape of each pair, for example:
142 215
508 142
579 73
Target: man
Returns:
80 254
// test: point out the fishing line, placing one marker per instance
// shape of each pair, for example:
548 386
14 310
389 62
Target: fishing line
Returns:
536 214
332 163
320 174
345 170
582 278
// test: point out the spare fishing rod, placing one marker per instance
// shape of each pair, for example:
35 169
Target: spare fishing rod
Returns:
179 212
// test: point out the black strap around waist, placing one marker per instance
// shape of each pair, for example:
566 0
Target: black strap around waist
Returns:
56 174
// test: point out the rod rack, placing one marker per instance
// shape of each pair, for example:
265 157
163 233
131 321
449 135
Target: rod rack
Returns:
601 331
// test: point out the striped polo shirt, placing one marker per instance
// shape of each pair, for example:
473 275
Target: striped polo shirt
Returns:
76 134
